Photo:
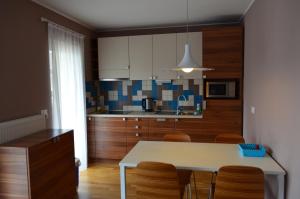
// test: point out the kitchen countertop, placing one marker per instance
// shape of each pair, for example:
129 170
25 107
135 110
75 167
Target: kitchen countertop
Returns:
142 114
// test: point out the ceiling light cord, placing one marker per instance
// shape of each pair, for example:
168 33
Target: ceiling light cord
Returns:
187 21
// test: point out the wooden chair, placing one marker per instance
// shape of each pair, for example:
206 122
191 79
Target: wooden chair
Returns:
157 181
224 139
229 139
184 175
239 182
177 137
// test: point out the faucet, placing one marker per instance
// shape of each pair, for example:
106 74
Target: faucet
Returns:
180 108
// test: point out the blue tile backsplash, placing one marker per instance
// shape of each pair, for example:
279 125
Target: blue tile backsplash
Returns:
91 96
127 95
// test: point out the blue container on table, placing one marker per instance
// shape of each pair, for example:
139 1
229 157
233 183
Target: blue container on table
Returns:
252 150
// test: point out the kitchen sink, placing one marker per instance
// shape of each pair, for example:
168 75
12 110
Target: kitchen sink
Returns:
173 113
165 113
114 112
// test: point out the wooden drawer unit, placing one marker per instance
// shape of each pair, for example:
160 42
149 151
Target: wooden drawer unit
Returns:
158 127
44 166
110 138
111 122
136 130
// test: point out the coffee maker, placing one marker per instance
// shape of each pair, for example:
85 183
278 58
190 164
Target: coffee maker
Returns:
148 104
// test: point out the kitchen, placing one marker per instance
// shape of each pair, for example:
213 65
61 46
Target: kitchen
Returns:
136 91
176 100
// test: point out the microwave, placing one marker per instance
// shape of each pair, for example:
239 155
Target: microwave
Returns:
221 88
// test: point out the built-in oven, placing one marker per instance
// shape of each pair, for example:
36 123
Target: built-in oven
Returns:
221 88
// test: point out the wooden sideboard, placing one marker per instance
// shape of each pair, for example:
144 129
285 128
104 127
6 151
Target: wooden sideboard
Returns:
38 166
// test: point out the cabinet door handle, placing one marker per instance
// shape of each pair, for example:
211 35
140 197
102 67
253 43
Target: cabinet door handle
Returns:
90 118
161 119
124 119
137 135
137 119
176 120
137 127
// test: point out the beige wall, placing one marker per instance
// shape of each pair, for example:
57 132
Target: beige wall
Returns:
24 73
272 83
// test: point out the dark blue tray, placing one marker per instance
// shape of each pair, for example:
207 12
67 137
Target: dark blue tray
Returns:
250 150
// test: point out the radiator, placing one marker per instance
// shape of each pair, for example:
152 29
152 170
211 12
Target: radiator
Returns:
14 129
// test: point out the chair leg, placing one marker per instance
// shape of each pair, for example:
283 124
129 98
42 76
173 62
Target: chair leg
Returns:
195 185
187 192
212 187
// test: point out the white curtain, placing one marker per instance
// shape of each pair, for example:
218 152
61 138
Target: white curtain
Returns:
66 58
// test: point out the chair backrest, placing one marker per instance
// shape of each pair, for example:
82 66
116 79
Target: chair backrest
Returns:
177 137
239 182
156 180
229 139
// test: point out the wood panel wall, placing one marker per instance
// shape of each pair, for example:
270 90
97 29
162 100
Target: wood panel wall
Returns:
223 49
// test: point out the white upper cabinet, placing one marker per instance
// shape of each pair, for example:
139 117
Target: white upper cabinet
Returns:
113 55
164 56
140 53
147 57
195 41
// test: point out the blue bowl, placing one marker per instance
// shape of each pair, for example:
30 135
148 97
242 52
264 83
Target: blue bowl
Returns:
250 150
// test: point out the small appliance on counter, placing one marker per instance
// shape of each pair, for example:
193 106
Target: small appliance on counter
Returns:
148 104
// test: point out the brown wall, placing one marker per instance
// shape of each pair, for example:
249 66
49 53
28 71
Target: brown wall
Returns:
24 73
272 69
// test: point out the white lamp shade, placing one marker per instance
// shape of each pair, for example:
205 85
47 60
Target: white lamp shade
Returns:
188 64
187 60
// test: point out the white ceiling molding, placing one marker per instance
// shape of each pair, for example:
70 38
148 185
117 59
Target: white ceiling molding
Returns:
63 14
247 9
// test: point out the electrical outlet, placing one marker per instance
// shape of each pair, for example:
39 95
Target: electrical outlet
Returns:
45 113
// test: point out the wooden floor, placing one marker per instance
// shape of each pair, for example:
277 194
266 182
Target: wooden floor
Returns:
102 181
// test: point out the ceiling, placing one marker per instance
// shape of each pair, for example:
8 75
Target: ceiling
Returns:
129 14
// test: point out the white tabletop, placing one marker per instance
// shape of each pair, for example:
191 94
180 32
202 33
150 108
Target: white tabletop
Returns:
197 156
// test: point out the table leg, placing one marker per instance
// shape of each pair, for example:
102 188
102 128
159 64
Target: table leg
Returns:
123 181
281 185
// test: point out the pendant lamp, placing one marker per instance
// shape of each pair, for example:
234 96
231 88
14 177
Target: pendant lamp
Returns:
188 64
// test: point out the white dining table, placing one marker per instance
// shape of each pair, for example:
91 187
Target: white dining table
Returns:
197 157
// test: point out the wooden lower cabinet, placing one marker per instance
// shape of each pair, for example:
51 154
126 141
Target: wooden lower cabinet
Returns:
38 166
113 138
158 127
110 138
91 139
195 129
